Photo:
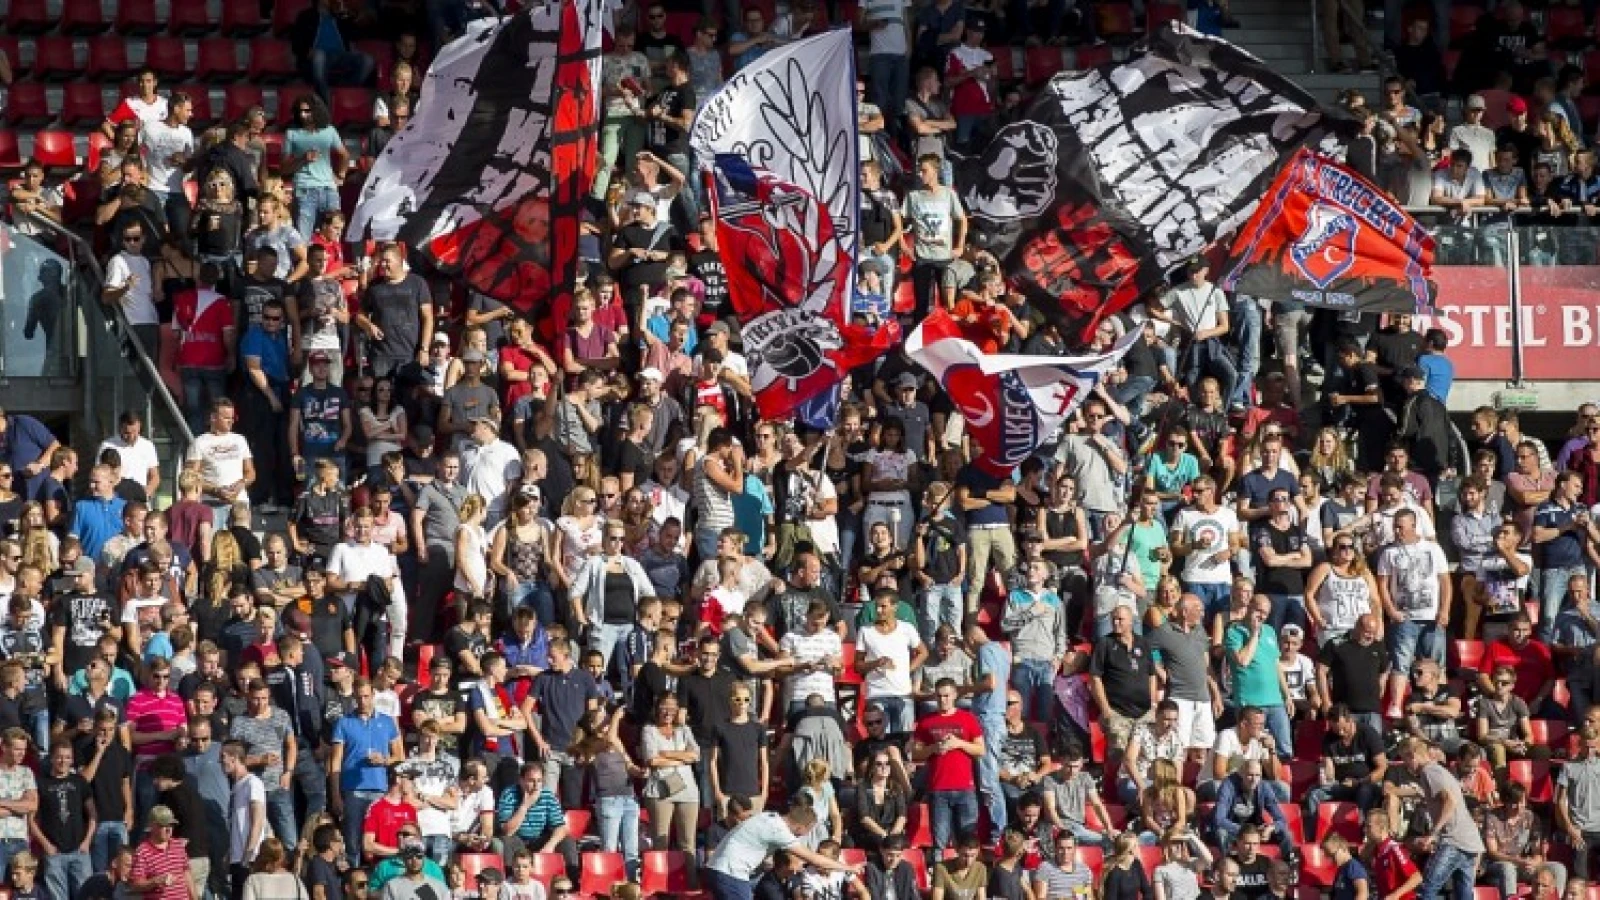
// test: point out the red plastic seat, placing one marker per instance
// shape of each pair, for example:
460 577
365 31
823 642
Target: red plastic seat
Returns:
82 17
1535 776
1296 825
425 654
473 863
29 17
546 866
54 59
1097 742
1302 777
1339 817
287 97
108 59
1118 813
189 17
1116 21
1005 63
218 60
847 659
137 17
238 98
284 13
1039 63
98 142
10 151
1467 655
241 20
578 822
1564 26
28 104
53 147
919 865
351 108
919 826
274 144
1090 57
600 871
1550 733
271 62
1317 868
664 872
1092 857
199 105
382 53
81 104
1159 14
166 55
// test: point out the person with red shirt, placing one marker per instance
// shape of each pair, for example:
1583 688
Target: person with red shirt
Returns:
1393 873
161 861
518 358
969 73
949 742
380 832
1530 659
203 324
984 318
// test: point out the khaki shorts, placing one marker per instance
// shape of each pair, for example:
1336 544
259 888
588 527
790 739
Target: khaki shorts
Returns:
1119 730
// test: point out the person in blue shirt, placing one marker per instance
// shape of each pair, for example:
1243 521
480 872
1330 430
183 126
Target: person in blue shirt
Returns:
27 445
324 53
365 745
97 518
315 160
1351 875
263 404
1438 372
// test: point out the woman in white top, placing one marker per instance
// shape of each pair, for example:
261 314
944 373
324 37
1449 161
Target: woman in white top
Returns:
383 421
579 532
888 478
1340 591
270 879
472 548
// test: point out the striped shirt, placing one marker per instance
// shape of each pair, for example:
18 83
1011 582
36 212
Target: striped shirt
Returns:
809 648
545 814
714 503
151 862
151 713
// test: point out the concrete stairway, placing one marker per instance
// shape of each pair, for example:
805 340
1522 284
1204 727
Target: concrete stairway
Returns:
1280 32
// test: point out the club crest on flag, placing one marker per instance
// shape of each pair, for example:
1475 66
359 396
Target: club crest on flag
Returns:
1326 249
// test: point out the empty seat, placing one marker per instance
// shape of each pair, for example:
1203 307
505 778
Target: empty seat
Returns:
664 872
10 152
200 105
473 863
241 20
600 871
578 822
919 826
166 56
53 147
238 98
190 17
1317 868
217 60
54 59
1466 655
98 143
29 17
547 866
82 104
1091 57
1339 818
108 59
137 17
271 62
1533 774
284 13
1040 63
28 104
352 108
1564 26
83 17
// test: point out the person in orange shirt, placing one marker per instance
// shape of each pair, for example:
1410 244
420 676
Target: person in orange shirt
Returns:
983 315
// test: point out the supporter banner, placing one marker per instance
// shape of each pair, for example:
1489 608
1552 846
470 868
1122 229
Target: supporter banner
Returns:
1560 321
778 144
488 177
1327 237
1012 403
1118 174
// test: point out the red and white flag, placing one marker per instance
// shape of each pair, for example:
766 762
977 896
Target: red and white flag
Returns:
1012 404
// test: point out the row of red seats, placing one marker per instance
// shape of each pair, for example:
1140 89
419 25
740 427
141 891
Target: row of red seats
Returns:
214 60
85 105
1565 27
141 17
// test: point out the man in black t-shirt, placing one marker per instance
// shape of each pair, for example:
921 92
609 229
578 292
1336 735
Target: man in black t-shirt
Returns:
1354 400
78 621
331 628
107 766
255 290
1353 670
1395 349
706 265
466 643
396 315
64 824
640 249
1353 764
442 705
668 118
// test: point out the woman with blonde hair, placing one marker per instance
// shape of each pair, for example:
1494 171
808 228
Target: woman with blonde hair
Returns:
226 571
1169 590
1329 458
40 546
270 878
1165 802
580 531
817 787
671 793
638 521
1340 591
216 230
472 552
1124 877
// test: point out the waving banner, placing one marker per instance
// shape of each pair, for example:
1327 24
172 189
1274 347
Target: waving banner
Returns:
1327 237
1118 174
488 177
779 145
1012 404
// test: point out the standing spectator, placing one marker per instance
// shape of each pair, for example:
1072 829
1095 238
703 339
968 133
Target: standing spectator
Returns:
160 862
168 150
65 825
365 744
396 314
227 466
1577 801
1123 681
247 815
1561 528
264 350
320 42
938 225
886 655
1251 650
948 741
969 75
1414 587
268 738
314 159
130 285
1453 838
671 793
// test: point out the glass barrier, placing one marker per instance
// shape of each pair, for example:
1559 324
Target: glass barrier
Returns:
38 334
1474 299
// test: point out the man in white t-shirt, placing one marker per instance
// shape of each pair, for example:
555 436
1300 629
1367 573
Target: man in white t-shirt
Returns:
247 810
138 454
491 465
130 285
888 72
168 150
1248 740
731 870
349 566
886 655
227 468
1414 586
818 651
1207 535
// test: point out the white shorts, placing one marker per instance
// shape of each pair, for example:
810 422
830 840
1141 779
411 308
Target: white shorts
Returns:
1196 725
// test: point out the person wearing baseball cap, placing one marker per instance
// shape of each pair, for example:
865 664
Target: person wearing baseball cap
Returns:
320 422
467 398
1518 132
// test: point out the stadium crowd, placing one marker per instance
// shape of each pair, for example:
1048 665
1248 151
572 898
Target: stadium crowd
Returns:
445 602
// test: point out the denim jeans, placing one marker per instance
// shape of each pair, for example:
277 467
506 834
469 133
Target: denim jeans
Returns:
1408 640
201 387
64 874
943 805
994 732
888 81
439 847
1087 837
1448 865
941 605
1035 679
536 596
726 887
693 194
109 837
967 128
604 637
9 848
1363 793
1216 597
1131 393
350 67
309 205
1287 609
1550 586
897 712
1246 324
620 140
280 815
619 828
1209 357
356 804
1278 727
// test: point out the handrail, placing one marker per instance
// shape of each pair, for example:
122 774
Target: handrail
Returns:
119 319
